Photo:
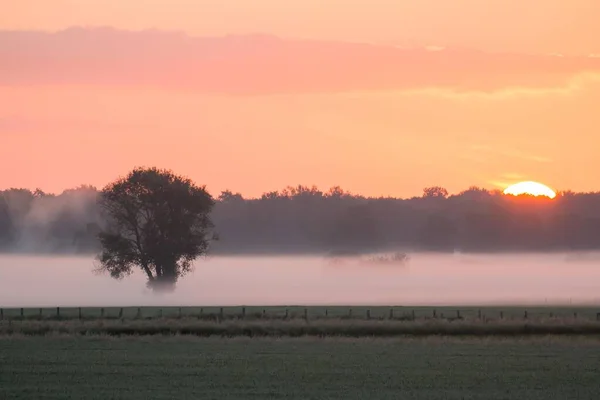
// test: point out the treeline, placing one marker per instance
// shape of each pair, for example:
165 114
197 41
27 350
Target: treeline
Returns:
306 220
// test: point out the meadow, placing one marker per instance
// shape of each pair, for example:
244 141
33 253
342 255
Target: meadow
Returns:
298 352
100 367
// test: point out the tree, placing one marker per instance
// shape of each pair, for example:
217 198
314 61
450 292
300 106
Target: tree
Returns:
475 193
6 224
355 229
158 222
435 192
229 196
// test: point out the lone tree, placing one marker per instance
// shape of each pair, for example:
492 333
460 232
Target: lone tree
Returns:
157 221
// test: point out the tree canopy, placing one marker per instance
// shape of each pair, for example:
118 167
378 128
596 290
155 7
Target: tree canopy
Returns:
156 221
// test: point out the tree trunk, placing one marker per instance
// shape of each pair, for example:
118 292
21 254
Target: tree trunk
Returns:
165 278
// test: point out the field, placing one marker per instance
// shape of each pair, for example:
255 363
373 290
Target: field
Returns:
300 353
66 367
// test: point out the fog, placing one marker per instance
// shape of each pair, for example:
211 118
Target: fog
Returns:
428 279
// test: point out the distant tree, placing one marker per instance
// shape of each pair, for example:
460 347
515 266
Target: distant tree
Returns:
435 192
228 196
356 228
301 191
39 193
303 219
475 193
566 193
156 221
19 202
336 192
438 232
6 225
273 195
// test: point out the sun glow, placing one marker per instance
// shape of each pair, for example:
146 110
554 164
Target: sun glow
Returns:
530 188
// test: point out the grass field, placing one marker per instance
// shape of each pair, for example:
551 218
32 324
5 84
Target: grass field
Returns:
67 367
327 327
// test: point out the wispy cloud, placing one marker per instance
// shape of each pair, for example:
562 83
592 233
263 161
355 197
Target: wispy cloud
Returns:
507 152
22 125
512 176
524 156
263 64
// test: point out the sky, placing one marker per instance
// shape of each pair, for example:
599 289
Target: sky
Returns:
380 97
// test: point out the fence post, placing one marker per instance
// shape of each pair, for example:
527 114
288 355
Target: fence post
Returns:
264 313
479 313
306 314
391 313
368 314
434 313
243 312
501 314
41 313
598 316
57 312
139 313
1 313
121 313
525 314
458 314
179 312
326 313
22 313
350 313
575 315
102 312
286 313
221 313
413 315
160 313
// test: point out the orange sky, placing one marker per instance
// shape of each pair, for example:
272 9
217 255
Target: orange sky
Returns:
258 114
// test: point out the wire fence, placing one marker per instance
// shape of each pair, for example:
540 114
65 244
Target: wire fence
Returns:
298 312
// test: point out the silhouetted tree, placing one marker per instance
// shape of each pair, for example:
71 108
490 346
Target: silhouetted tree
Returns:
355 230
6 225
475 193
158 222
438 233
435 191
229 196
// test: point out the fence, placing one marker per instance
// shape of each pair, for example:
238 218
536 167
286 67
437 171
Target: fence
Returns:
296 312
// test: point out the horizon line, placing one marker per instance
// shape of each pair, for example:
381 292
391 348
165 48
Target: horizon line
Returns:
496 191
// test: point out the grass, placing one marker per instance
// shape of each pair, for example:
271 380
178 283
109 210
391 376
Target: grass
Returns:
57 367
300 327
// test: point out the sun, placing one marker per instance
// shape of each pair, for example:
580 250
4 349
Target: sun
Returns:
531 188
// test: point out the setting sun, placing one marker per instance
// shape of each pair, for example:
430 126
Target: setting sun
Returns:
531 188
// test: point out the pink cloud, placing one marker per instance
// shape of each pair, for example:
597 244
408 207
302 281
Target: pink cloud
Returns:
262 64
